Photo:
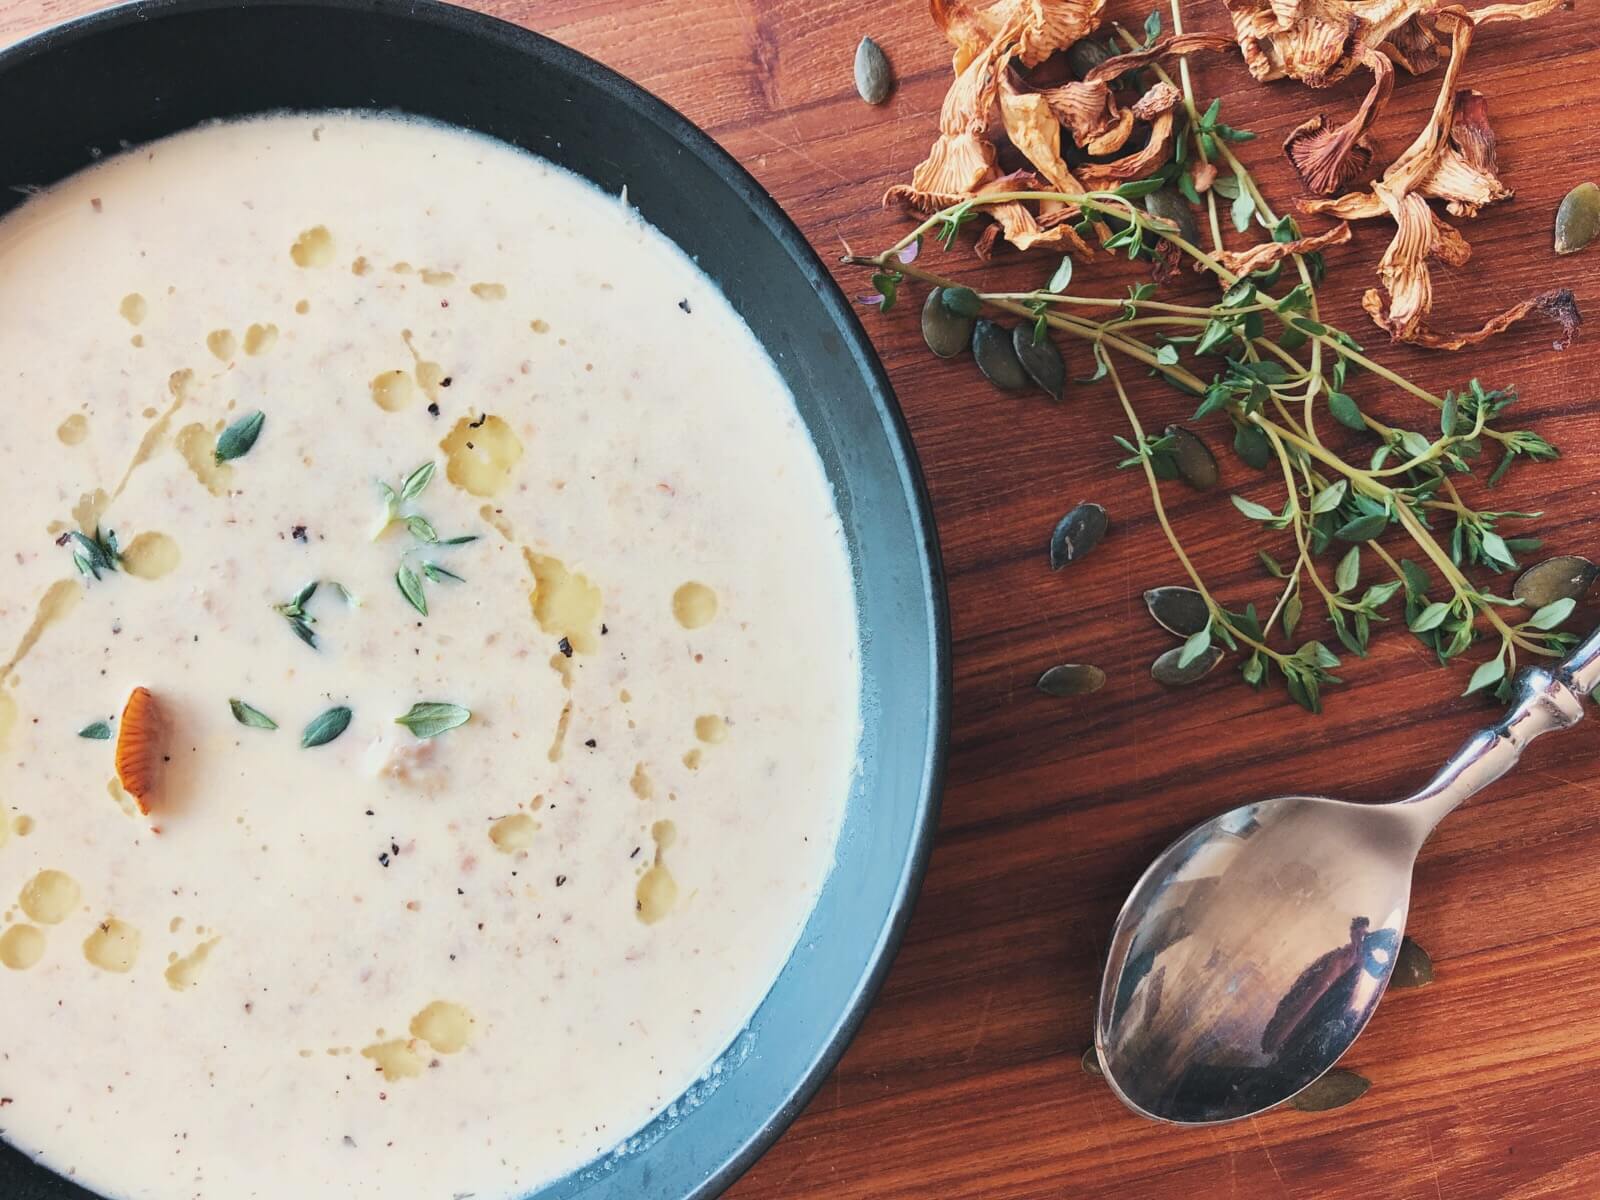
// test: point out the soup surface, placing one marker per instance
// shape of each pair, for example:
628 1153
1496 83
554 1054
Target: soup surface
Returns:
463 863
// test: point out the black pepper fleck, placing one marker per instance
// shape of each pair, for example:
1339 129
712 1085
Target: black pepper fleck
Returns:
394 847
560 879
565 647
446 381
684 304
591 743
433 409
603 629
478 423
298 533
635 853
384 858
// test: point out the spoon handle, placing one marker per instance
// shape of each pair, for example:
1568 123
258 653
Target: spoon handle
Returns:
1545 700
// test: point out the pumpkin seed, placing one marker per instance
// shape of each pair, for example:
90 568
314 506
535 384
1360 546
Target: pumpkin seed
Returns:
997 357
1072 679
1334 1090
874 77
1181 611
1168 204
962 301
1413 968
1085 55
1041 360
1578 219
1091 1063
1166 669
1251 444
1567 577
1077 533
946 332
1197 466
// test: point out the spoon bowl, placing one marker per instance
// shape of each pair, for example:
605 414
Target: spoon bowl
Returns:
1252 953
1255 949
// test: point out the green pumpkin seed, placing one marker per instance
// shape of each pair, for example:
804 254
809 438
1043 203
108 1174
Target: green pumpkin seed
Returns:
1578 219
1565 578
1334 1090
946 332
1413 968
962 301
874 77
1251 444
1166 669
1168 204
1091 1063
1181 611
1085 55
1077 533
1197 466
1072 679
1041 360
997 357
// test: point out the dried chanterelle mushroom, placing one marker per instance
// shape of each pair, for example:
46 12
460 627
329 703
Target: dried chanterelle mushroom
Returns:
140 747
1453 160
997 43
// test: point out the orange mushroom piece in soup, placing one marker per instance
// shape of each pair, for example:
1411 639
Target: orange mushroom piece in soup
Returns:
141 738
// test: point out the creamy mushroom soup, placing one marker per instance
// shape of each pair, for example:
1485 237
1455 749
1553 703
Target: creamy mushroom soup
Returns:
430 692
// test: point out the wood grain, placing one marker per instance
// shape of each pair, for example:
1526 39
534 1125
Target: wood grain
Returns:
965 1080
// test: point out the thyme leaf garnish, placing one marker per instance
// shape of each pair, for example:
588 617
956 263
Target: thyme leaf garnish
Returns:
236 439
97 731
251 716
429 718
326 727
93 553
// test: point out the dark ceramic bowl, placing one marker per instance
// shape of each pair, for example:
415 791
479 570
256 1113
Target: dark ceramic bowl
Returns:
149 69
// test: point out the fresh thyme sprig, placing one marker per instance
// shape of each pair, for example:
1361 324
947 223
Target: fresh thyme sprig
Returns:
93 553
1265 361
408 578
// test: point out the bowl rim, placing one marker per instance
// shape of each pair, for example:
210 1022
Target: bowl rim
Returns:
776 221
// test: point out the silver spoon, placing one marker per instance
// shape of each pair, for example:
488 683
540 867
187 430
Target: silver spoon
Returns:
1254 950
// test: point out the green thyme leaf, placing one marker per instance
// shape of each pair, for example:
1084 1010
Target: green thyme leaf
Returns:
98 731
237 438
1194 646
1349 571
326 727
1329 498
1137 189
1256 512
1430 618
1362 529
421 529
1062 277
428 719
1487 675
417 481
1292 610
1244 211
459 541
1553 614
1152 27
1345 411
439 574
411 588
251 716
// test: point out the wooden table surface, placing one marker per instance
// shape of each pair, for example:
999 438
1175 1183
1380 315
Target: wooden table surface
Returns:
965 1080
